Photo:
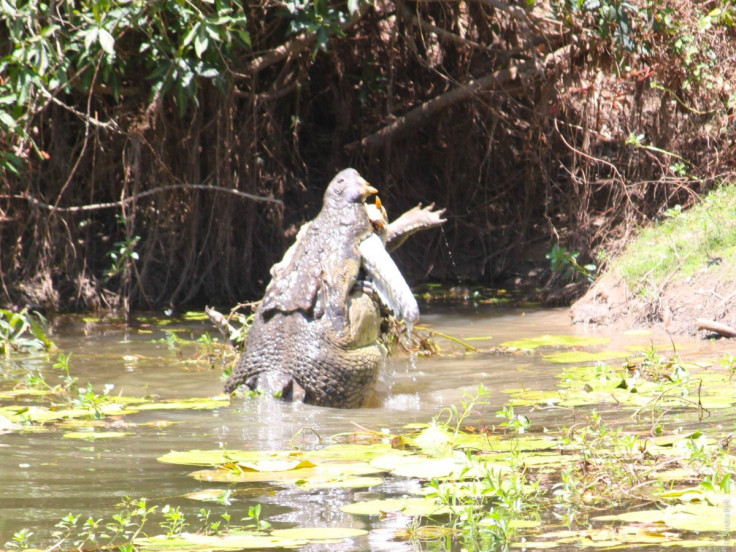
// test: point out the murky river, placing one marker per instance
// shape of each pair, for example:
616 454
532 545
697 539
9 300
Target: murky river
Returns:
44 476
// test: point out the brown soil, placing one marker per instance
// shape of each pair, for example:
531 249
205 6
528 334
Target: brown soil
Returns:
677 304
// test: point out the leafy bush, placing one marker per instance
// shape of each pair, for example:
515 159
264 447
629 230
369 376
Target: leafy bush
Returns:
111 48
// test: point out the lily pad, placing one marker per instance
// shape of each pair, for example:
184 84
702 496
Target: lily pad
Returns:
694 516
195 542
95 435
343 483
320 472
555 341
195 316
405 506
257 460
317 534
363 452
194 403
570 357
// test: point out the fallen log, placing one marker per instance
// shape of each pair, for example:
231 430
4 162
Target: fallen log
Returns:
723 330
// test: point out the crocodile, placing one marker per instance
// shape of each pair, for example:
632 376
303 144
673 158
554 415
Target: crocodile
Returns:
315 334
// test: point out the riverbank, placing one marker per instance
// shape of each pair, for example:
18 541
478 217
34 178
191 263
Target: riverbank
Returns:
678 274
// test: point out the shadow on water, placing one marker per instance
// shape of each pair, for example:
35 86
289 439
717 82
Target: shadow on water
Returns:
45 475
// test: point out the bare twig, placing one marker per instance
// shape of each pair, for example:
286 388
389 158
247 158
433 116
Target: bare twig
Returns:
442 33
114 204
298 43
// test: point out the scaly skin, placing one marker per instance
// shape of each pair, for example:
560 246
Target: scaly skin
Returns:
315 336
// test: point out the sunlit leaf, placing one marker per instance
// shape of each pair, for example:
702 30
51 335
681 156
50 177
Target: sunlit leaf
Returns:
107 42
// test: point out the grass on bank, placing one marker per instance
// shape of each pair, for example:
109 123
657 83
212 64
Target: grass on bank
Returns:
684 243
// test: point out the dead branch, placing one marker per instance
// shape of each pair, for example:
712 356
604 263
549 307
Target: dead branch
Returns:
127 200
421 114
428 27
299 43
721 329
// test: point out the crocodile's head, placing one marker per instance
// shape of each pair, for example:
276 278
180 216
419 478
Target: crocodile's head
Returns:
346 188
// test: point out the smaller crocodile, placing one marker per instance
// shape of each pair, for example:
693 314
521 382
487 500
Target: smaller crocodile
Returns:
315 335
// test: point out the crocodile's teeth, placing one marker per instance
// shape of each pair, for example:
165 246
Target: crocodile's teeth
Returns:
387 280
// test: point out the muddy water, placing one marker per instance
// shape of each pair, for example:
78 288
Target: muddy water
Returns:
44 476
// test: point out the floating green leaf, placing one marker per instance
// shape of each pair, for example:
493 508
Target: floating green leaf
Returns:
555 341
95 435
570 357
342 483
219 457
195 542
321 472
317 534
694 516
405 506
194 403
195 316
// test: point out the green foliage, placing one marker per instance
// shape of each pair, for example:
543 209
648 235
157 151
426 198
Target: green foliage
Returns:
674 33
109 46
69 381
123 255
683 243
564 261
23 332
316 17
